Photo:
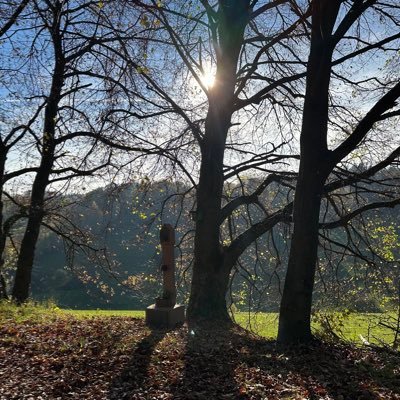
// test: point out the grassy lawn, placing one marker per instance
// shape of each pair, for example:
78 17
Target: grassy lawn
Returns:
105 313
266 324
349 327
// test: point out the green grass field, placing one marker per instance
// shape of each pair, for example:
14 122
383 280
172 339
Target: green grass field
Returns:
350 327
105 313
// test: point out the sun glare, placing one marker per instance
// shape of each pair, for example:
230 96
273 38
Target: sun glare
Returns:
208 79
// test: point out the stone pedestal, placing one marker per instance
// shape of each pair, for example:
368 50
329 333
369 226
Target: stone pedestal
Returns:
165 317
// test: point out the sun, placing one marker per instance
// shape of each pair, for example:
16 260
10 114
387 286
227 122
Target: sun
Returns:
208 79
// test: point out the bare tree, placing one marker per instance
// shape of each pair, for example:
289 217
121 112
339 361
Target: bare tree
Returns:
8 141
331 23
73 142
10 14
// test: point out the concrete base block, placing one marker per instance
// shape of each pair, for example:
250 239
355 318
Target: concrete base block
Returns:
165 317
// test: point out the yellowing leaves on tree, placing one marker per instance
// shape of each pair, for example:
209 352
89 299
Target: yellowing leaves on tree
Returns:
144 21
142 70
142 215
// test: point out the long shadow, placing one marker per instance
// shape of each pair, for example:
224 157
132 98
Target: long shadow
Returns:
135 375
208 373
242 366
324 369
219 363
345 372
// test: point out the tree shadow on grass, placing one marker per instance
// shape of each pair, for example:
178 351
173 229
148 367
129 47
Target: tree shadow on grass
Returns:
131 382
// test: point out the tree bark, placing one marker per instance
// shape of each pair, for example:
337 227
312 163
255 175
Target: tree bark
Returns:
295 310
3 286
210 280
23 274
210 277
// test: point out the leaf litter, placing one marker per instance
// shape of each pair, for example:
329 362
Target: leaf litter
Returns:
120 358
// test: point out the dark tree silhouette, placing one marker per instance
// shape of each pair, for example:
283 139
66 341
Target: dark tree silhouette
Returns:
317 161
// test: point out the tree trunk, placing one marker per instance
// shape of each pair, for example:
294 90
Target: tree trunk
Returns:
295 310
210 277
3 286
20 292
210 280
23 274
208 292
315 166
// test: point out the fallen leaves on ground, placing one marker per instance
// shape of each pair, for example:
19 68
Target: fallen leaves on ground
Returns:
120 358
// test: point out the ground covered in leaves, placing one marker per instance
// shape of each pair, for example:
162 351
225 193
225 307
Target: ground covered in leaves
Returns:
120 358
